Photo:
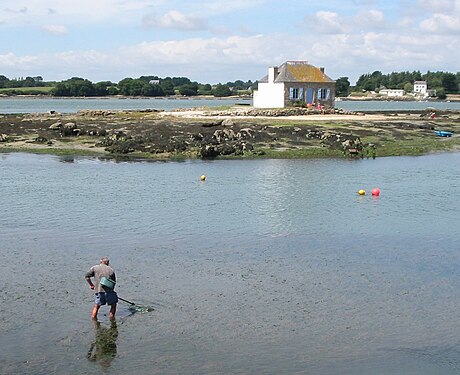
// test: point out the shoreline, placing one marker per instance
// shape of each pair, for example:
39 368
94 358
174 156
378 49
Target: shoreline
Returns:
240 133
450 98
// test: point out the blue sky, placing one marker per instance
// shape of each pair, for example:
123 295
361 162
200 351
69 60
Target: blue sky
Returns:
213 41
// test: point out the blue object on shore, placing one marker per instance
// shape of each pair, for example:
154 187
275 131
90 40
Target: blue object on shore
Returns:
443 133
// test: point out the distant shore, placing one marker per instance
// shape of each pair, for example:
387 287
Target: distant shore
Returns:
453 98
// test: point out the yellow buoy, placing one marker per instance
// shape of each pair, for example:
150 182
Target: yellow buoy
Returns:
362 192
203 178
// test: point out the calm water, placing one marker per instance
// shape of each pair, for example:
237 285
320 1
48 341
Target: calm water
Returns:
70 105
269 266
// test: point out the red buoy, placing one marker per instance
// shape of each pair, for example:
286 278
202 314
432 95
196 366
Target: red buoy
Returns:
376 192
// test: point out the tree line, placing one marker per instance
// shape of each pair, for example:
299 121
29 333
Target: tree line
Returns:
443 82
153 86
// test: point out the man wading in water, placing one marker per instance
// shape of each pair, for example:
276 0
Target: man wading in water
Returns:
104 282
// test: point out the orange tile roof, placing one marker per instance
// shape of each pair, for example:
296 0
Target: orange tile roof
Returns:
299 71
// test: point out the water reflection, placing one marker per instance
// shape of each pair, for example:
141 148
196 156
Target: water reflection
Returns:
103 349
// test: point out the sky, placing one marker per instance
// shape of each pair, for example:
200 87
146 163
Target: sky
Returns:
213 41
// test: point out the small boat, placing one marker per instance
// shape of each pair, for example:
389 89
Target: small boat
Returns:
443 133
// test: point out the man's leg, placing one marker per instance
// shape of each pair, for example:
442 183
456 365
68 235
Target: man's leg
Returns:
95 311
113 310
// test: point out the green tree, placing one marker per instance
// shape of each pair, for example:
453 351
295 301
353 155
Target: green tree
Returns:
342 86
101 88
408 87
3 81
74 86
205 89
127 87
441 93
221 90
167 87
179 81
449 83
189 89
149 89
112 90
61 89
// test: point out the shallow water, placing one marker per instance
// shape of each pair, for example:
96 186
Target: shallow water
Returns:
269 266
72 105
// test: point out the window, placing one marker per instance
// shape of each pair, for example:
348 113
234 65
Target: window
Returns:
323 94
294 93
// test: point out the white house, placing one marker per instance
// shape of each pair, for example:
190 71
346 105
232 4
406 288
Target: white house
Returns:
294 82
421 88
393 93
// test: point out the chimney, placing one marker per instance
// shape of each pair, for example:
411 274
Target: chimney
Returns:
322 69
272 73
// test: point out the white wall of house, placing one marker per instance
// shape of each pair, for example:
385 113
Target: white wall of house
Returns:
269 95
420 87
392 93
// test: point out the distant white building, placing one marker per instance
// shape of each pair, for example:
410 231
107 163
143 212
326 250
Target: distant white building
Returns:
421 88
393 93
294 82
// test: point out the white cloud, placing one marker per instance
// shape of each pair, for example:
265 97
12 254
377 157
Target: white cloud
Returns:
21 12
359 36
175 20
363 2
370 19
406 22
10 60
37 12
55 29
439 6
198 51
440 23
224 7
327 23
243 57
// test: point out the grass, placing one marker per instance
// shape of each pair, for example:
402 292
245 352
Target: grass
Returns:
389 147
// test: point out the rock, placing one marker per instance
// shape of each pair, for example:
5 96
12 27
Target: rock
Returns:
212 124
68 129
41 140
209 151
245 133
224 135
56 125
246 146
226 149
228 122
3 138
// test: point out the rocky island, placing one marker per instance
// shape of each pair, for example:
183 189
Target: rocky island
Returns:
232 132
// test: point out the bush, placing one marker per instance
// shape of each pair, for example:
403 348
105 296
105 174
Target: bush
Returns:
441 93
